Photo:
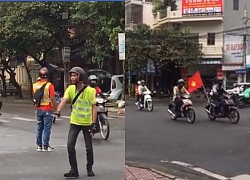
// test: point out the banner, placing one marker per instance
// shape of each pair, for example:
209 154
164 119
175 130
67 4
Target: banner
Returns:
201 7
121 43
233 49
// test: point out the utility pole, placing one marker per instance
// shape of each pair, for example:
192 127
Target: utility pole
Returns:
245 41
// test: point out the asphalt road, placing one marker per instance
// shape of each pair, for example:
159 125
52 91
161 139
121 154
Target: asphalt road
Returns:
19 159
154 140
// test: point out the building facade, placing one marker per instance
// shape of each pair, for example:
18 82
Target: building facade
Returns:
220 27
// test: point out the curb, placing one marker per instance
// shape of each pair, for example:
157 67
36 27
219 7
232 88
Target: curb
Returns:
169 176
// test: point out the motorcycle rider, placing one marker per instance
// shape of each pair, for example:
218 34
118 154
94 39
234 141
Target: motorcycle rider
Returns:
93 83
137 92
142 88
217 93
177 90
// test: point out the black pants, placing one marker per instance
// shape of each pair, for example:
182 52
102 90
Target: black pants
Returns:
178 103
141 97
72 137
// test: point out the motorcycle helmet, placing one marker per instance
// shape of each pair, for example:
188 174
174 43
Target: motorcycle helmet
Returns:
180 82
143 82
43 73
80 72
93 80
139 82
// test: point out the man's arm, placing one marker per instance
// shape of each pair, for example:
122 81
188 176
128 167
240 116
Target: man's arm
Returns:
52 94
94 108
186 91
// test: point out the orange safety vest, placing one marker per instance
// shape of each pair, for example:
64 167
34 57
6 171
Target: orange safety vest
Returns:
46 99
136 90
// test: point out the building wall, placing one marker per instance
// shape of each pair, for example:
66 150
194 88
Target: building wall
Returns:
232 18
209 51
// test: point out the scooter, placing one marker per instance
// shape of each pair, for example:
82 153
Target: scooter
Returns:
102 118
186 110
147 103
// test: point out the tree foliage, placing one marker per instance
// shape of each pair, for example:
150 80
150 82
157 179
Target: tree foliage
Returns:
35 28
161 5
161 45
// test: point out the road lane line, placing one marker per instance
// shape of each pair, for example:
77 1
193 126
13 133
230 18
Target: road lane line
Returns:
203 171
24 119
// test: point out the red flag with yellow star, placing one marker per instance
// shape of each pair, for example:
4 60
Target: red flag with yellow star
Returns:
194 82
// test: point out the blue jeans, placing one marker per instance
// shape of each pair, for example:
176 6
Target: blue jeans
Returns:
44 123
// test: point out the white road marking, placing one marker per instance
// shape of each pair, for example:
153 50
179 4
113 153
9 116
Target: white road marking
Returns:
24 119
3 120
241 177
203 171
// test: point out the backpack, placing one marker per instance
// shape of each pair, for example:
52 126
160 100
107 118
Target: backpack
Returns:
38 95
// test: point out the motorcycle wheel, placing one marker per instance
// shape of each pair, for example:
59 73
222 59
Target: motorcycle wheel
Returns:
234 116
190 115
104 126
150 106
210 116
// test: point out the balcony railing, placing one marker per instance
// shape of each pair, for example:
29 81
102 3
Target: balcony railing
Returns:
212 50
163 14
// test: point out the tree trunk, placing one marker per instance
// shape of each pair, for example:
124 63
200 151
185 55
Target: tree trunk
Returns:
17 86
158 92
30 79
3 77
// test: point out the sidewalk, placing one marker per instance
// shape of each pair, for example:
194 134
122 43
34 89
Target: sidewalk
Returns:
135 173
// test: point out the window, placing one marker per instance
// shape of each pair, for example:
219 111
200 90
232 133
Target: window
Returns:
236 5
210 38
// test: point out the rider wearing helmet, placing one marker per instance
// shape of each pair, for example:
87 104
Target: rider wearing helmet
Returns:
93 83
83 118
137 92
217 93
177 90
142 88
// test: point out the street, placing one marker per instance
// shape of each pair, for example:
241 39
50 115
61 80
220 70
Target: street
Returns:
19 159
203 150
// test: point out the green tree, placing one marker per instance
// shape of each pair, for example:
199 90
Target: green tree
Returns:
161 45
104 37
161 5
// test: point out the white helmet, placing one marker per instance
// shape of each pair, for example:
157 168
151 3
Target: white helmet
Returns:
92 78
139 82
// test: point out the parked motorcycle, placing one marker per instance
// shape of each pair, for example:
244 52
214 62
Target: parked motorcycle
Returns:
228 111
147 103
186 110
102 118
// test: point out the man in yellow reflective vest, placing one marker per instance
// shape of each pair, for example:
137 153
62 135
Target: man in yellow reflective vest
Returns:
44 111
83 118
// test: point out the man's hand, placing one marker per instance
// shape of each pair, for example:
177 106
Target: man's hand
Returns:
57 113
93 128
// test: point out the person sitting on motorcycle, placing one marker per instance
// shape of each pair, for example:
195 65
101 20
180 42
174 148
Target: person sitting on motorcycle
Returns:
142 89
177 90
93 83
217 93
137 92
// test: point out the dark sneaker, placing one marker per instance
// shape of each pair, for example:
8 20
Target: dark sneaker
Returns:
72 174
39 148
48 148
90 173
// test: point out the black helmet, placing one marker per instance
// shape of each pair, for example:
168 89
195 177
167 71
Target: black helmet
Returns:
43 73
180 81
219 80
80 72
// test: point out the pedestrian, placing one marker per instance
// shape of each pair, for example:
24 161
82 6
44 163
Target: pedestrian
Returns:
44 101
83 118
